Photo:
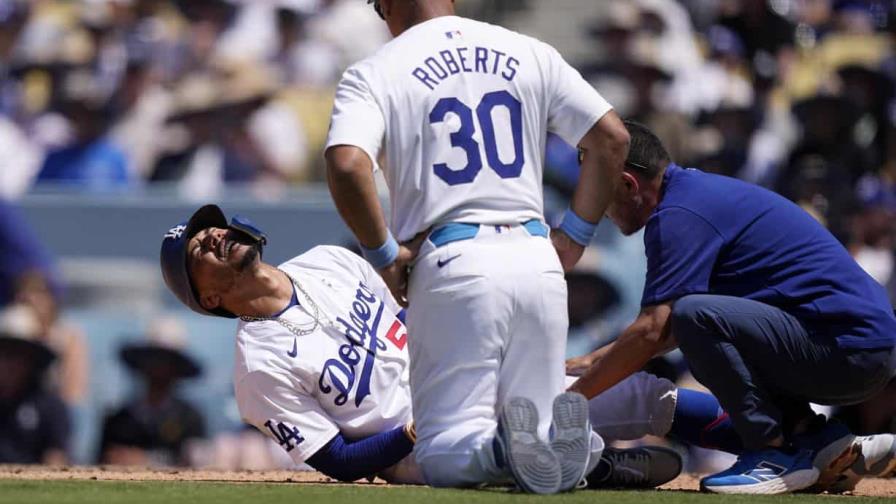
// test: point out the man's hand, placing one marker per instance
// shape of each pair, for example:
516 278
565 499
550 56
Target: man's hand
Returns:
569 251
578 365
410 430
396 274
640 342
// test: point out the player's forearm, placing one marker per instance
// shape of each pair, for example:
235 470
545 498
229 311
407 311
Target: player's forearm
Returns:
605 148
640 342
350 461
578 366
351 181
625 357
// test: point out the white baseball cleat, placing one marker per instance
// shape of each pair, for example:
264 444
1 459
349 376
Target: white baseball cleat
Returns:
534 465
877 459
571 441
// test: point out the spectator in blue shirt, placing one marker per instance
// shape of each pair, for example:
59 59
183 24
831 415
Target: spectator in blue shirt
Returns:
92 160
768 308
21 253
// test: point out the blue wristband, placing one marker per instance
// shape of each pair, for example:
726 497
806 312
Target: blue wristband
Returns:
577 228
383 256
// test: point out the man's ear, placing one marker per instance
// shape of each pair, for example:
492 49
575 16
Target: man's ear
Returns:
210 301
630 185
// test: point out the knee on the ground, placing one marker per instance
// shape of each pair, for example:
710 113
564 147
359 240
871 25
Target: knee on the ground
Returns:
446 470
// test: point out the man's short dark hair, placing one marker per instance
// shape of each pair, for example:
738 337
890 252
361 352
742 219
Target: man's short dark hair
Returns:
646 154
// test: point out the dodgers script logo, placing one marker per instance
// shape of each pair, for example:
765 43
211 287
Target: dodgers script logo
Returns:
361 331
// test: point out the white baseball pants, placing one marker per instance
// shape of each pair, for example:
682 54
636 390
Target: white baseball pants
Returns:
488 317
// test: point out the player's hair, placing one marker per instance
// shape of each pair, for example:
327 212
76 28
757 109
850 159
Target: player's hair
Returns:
646 154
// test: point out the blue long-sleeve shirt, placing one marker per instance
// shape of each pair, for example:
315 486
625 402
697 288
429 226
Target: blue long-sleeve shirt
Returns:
345 460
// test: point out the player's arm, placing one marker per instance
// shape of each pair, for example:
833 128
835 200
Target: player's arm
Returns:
603 151
648 336
346 460
582 117
350 177
577 366
357 128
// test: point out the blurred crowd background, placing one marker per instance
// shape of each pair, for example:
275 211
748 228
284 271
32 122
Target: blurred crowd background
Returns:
119 117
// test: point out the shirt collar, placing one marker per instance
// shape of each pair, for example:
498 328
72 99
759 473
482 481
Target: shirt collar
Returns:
671 169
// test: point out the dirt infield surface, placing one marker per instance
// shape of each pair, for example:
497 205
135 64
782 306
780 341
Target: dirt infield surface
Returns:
869 487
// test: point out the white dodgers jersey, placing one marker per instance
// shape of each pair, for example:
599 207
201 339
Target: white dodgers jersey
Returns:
348 376
464 108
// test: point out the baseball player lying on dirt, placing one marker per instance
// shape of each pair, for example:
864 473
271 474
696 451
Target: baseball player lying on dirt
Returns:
322 364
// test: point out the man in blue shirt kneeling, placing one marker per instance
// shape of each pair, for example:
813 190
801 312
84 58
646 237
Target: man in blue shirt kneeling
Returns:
767 307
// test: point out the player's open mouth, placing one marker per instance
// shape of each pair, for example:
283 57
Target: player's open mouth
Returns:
225 246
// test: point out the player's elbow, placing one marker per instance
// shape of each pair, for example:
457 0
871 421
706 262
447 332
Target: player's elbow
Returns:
614 137
653 339
346 162
608 141
645 335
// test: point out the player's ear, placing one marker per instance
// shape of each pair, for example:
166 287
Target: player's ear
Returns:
210 301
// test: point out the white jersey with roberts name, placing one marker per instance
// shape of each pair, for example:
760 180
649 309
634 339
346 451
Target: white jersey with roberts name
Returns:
464 108
349 375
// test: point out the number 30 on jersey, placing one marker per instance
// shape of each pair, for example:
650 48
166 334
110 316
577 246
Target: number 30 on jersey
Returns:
463 137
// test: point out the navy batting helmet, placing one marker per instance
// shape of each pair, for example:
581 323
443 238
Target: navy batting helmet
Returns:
174 253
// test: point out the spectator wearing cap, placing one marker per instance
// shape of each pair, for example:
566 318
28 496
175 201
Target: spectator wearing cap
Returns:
69 373
91 159
874 231
28 276
34 423
719 82
157 427
874 248
232 127
21 158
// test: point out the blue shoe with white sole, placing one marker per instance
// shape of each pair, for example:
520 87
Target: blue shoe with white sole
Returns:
768 472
